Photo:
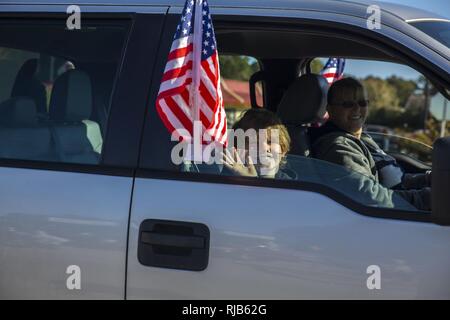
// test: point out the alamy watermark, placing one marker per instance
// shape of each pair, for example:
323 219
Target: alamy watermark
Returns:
374 280
255 148
373 21
73 281
73 21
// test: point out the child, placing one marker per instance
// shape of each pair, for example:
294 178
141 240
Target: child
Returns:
264 155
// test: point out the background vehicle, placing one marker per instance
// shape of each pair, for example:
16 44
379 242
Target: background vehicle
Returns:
91 182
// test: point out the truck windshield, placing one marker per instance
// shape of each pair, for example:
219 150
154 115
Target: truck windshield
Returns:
439 30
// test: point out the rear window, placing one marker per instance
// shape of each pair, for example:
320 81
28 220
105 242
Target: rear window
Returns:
55 88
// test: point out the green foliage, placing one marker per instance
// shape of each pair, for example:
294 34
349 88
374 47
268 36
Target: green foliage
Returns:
409 119
316 66
390 117
388 99
404 88
380 93
422 83
237 67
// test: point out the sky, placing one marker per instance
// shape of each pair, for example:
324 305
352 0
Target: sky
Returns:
384 70
361 69
441 7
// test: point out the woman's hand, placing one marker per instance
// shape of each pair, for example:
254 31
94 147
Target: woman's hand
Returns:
235 164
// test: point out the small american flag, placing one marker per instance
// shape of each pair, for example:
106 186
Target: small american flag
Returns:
334 69
190 87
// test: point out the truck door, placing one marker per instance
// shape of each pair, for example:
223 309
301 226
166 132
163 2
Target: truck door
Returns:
71 104
199 234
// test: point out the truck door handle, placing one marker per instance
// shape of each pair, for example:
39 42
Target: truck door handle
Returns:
161 239
173 244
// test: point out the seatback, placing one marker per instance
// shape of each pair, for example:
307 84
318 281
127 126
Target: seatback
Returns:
77 138
303 102
27 85
21 135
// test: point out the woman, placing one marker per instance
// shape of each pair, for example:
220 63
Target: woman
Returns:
342 141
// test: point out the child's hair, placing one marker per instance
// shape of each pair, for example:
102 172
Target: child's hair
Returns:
259 118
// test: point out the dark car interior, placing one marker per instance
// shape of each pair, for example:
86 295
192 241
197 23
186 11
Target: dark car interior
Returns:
59 117
290 89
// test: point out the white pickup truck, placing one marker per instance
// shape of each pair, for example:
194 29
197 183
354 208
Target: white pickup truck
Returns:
91 206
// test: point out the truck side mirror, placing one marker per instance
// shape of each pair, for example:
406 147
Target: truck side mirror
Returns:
440 177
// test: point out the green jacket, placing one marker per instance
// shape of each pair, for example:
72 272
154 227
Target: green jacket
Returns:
340 147
343 148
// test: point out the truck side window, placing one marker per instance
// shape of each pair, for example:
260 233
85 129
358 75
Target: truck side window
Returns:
55 90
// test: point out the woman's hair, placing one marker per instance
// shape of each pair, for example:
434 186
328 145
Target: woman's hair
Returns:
259 118
344 89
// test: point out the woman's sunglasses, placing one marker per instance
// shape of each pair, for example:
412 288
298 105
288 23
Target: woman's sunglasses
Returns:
351 104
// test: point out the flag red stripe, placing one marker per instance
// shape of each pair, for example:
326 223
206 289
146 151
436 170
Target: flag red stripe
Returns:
204 119
176 90
178 72
208 72
180 52
210 101
329 75
173 106
185 95
221 124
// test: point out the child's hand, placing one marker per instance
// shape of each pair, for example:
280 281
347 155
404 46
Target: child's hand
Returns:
242 168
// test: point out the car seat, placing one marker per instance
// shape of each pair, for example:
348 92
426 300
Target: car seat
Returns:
304 102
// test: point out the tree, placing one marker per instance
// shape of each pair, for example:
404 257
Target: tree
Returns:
403 87
422 83
385 104
237 67
380 93
316 66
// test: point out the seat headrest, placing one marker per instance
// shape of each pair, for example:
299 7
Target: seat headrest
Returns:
27 85
304 101
71 98
19 111
28 69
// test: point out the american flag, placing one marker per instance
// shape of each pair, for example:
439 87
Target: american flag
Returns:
190 87
334 69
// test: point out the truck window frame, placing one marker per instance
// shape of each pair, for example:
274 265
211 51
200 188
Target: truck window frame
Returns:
152 129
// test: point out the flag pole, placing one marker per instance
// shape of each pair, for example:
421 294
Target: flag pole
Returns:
195 93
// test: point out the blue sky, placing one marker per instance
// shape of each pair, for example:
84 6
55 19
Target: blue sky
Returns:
382 69
441 7
361 69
